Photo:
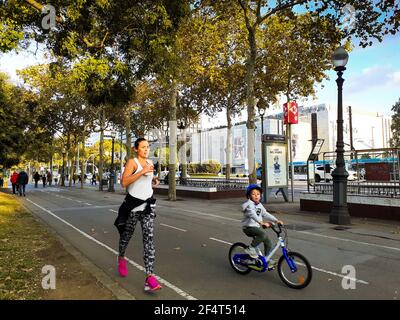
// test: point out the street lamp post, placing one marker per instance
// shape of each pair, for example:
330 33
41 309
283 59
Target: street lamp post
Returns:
261 105
111 185
340 213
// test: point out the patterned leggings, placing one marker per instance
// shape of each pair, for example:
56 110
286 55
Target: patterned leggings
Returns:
147 223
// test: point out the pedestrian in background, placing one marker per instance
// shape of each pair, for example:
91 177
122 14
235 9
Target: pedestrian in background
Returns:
22 181
49 178
13 180
36 177
44 180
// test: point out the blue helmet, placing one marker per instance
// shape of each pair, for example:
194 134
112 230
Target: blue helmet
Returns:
251 188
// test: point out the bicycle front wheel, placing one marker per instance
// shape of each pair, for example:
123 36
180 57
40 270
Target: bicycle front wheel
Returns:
296 273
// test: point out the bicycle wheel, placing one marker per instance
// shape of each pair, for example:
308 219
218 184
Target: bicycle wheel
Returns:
301 277
238 257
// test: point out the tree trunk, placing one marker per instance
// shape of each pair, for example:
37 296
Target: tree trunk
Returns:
250 66
172 144
228 150
128 134
83 170
51 157
101 150
160 146
69 156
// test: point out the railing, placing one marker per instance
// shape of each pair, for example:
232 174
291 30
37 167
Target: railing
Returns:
385 189
220 184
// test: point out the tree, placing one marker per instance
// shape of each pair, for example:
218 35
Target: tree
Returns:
373 20
395 140
14 119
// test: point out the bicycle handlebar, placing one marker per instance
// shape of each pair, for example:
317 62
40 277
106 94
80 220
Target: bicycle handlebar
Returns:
277 230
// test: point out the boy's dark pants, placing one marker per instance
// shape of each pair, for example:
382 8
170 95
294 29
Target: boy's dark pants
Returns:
259 235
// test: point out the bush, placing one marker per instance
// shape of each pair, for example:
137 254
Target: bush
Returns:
193 168
211 167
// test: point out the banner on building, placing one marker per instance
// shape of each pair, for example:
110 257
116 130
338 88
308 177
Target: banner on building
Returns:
290 113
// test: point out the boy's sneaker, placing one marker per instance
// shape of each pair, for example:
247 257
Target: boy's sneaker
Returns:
251 251
122 267
272 264
151 284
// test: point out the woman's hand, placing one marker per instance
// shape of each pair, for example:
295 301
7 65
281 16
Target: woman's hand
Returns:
155 182
148 168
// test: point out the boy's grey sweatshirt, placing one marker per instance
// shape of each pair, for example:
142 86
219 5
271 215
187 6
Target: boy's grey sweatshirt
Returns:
253 214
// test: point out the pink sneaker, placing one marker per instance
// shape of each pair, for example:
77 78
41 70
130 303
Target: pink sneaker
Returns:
151 284
122 267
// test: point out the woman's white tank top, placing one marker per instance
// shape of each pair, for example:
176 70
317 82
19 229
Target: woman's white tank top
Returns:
141 188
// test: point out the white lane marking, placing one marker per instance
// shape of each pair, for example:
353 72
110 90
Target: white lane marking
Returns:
166 225
78 201
113 211
204 214
312 267
222 241
340 275
88 204
349 240
163 281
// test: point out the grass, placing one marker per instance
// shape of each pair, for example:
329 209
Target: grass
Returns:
25 247
21 237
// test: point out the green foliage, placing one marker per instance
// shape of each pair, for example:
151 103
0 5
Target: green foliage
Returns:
210 167
395 140
14 119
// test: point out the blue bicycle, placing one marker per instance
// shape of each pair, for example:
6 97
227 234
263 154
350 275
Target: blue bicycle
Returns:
293 268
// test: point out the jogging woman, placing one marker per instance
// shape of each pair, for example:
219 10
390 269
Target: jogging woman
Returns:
138 205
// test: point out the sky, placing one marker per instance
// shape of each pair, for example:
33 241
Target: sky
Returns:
372 78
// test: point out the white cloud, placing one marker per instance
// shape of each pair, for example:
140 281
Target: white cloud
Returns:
376 76
395 78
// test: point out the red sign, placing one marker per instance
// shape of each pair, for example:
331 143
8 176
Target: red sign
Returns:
291 113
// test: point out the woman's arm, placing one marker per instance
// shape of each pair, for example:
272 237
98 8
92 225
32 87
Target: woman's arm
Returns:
127 176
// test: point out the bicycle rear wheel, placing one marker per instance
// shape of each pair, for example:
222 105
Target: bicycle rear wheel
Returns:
238 257
300 276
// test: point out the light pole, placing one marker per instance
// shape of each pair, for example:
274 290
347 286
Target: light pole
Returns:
111 185
340 213
182 150
261 105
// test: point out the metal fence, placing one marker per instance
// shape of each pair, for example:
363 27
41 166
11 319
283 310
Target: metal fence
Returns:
370 188
220 184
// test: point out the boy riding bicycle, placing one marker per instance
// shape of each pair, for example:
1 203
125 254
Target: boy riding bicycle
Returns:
253 224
